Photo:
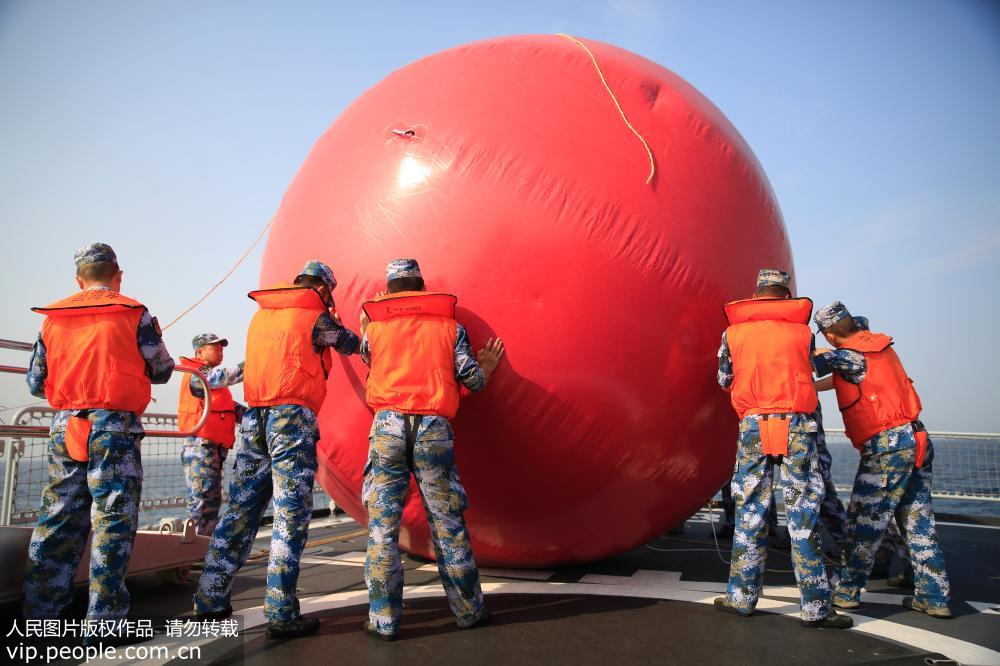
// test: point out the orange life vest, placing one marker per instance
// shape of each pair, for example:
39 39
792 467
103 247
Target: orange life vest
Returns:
412 338
769 342
92 353
220 427
282 367
884 399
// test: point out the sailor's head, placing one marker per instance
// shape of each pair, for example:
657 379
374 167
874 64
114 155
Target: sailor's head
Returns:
403 275
97 265
835 322
320 277
773 283
208 348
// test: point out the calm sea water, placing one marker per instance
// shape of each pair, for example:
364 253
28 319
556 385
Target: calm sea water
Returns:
959 465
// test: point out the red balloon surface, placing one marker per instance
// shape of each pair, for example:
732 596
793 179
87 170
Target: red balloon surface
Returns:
505 168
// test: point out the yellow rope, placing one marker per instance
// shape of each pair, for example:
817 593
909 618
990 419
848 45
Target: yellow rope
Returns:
652 163
224 277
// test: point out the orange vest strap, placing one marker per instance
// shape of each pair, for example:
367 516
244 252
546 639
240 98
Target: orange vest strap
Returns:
921 438
77 438
867 342
774 431
286 295
411 303
86 301
792 310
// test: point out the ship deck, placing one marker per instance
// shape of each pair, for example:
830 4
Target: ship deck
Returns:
652 603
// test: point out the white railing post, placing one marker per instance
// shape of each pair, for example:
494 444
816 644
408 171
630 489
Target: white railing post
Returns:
12 454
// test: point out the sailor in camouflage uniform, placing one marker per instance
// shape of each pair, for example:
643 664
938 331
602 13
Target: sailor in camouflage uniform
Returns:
288 359
765 361
834 515
894 474
892 546
418 356
204 455
79 363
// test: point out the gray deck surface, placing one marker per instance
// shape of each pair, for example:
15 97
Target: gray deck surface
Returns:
542 616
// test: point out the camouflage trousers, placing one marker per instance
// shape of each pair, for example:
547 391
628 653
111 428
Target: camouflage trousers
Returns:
277 457
888 484
111 481
399 444
893 548
802 488
831 512
203 461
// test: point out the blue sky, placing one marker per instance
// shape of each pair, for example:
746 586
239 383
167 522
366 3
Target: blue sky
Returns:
172 129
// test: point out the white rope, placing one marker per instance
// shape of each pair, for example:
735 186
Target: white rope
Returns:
652 162
224 277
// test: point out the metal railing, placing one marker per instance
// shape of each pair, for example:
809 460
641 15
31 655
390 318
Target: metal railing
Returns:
29 434
966 464
26 466
163 487
25 454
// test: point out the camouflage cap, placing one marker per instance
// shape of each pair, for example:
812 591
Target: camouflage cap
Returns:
317 268
203 339
402 268
862 323
830 315
93 253
772 277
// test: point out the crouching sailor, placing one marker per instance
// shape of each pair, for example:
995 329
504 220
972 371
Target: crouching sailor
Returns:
765 362
288 360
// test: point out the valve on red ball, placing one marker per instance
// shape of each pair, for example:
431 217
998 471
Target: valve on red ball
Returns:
506 168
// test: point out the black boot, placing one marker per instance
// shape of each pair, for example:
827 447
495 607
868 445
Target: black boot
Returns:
214 615
903 579
832 621
372 631
300 626
722 603
484 618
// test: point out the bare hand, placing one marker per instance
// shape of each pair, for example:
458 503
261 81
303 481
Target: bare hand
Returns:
365 320
490 355
821 350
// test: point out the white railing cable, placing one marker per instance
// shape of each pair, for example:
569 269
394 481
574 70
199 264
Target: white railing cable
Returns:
937 434
163 484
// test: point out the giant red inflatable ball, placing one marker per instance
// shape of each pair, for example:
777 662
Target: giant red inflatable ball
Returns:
506 169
